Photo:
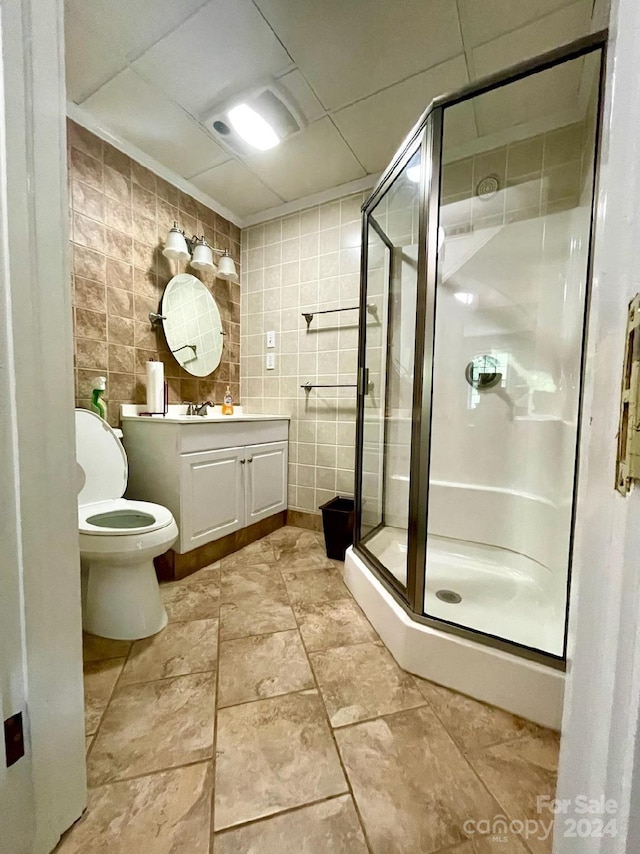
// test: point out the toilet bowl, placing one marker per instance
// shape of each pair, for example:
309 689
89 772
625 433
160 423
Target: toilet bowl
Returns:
119 539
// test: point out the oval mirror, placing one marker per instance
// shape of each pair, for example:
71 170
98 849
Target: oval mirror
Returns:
192 325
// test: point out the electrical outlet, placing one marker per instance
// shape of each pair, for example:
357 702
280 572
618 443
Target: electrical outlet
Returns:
271 340
13 739
271 361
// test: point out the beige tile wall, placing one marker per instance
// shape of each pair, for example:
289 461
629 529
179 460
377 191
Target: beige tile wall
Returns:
537 176
119 216
306 261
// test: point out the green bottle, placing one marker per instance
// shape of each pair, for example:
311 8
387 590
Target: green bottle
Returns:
98 404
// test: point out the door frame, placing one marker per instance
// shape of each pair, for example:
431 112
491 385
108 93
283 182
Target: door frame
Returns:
40 406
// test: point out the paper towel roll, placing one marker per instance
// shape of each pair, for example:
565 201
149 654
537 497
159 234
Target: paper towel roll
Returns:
155 386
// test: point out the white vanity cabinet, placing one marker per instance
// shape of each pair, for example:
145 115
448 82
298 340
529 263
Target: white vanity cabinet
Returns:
215 475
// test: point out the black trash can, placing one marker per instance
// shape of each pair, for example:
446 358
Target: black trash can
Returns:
338 519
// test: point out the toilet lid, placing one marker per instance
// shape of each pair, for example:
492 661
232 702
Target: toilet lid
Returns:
102 462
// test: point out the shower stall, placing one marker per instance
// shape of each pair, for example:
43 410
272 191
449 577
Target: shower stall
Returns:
474 307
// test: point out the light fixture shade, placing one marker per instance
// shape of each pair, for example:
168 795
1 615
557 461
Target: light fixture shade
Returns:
227 267
252 127
202 256
175 247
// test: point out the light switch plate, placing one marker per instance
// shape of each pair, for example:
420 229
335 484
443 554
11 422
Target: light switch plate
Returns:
271 361
271 339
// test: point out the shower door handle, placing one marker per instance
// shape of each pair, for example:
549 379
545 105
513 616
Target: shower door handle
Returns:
364 381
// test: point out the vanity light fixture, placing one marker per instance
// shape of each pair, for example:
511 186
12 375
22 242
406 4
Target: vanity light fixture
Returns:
202 256
227 267
178 247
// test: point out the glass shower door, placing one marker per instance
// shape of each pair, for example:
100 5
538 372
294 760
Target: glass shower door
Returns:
390 298
510 300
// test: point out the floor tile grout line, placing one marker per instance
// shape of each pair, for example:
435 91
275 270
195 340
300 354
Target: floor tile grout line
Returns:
468 761
172 676
269 697
482 782
214 763
107 704
264 818
450 733
496 798
510 740
121 658
147 682
205 760
333 738
337 727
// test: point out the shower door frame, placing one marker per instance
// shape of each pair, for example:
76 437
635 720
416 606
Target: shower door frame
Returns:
413 144
429 130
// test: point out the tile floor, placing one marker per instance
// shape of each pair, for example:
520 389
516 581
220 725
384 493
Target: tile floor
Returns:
321 742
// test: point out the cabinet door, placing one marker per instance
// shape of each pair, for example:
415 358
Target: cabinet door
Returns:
266 490
212 495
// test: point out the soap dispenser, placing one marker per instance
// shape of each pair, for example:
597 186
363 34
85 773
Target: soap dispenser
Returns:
98 404
227 406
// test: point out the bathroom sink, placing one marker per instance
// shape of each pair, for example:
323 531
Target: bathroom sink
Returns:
215 416
177 415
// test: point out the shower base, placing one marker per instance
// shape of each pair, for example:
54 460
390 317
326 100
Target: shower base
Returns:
526 688
501 593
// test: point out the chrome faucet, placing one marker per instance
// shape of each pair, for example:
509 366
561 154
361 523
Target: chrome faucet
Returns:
191 407
201 408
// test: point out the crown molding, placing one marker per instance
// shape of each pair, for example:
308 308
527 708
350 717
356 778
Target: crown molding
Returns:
84 118
339 192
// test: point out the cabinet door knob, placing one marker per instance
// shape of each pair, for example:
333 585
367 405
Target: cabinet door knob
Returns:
250 460
242 462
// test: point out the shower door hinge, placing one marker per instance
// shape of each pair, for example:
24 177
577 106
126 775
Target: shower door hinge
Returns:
628 456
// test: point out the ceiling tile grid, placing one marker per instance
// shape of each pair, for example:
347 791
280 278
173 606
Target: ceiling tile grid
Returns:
138 112
359 72
219 52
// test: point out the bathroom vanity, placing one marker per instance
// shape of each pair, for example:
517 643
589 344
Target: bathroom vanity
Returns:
217 474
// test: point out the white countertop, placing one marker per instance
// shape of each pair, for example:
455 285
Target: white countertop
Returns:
177 415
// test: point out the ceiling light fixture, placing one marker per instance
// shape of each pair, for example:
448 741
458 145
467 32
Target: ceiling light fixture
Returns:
255 120
178 247
252 127
413 173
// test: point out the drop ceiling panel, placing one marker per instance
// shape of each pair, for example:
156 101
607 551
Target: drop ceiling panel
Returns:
101 36
295 84
376 126
545 34
552 94
234 186
132 109
349 50
218 52
486 20
311 161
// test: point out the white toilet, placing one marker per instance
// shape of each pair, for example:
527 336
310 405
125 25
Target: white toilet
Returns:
118 539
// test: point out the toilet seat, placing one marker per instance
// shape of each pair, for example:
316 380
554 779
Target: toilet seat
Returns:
102 480
125 510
